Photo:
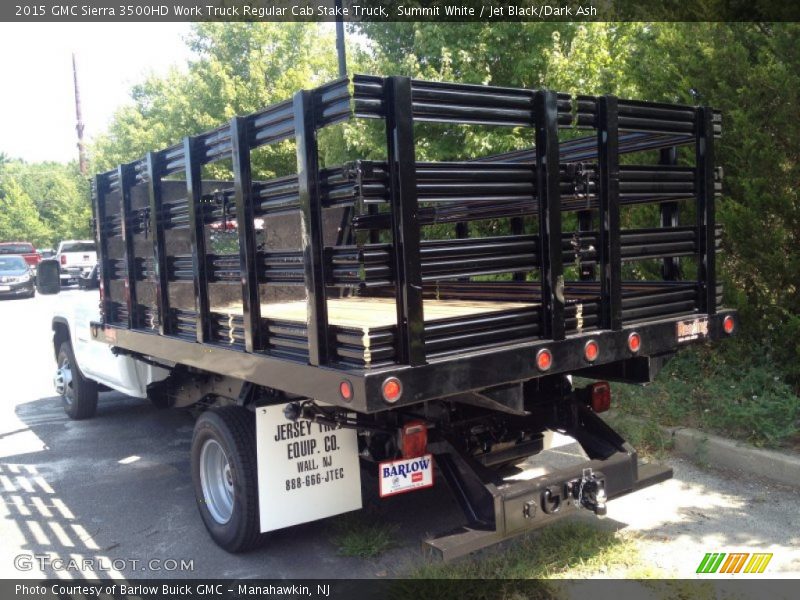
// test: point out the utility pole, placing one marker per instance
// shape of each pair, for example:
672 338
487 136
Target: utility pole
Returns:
79 119
340 40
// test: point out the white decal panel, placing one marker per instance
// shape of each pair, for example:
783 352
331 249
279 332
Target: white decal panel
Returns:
694 329
399 476
306 471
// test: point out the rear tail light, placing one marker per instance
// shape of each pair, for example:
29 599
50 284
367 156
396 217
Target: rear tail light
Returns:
392 389
728 324
601 396
346 390
544 359
634 342
591 351
63 259
414 439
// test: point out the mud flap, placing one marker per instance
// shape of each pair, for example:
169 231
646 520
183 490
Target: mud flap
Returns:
306 471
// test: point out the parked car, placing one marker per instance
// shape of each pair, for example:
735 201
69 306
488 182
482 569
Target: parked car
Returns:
24 249
16 278
46 252
76 257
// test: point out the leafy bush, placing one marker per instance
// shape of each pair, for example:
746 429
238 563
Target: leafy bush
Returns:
725 390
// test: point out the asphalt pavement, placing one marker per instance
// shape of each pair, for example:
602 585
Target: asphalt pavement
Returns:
112 495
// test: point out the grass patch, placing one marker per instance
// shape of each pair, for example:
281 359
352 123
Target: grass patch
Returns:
645 435
359 537
569 549
727 389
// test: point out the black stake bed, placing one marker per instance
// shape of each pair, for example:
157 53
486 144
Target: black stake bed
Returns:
449 275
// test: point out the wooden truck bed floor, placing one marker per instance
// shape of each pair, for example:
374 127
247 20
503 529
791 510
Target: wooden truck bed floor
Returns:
372 313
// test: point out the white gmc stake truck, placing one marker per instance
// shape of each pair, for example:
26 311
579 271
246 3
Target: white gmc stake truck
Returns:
342 329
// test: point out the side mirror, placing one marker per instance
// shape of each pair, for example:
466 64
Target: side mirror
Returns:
48 277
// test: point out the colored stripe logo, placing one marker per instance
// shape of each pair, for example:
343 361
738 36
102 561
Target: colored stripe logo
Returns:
733 563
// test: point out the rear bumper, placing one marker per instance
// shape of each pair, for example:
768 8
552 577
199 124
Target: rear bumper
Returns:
523 506
74 273
16 289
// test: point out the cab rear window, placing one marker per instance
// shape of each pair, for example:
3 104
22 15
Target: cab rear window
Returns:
78 247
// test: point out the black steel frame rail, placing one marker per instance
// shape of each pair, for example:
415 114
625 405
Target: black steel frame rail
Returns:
670 216
99 197
405 225
704 165
196 208
610 261
545 114
126 175
313 247
154 170
243 194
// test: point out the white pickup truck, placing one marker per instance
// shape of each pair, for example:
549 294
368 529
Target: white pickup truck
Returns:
75 258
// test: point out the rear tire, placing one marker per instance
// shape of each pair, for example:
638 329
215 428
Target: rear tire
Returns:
78 394
225 477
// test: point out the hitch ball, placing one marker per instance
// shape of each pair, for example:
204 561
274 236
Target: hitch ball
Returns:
590 492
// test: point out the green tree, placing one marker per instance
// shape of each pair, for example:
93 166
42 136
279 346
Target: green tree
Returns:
19 219
60 194
238 68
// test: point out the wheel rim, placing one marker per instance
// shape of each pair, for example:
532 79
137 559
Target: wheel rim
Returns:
63 381
216 480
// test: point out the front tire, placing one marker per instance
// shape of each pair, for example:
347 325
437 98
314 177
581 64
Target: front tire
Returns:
225 477
78 394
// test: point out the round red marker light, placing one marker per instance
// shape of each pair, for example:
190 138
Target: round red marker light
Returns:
544 359
591 351
728 324
346 390
634 342
392 389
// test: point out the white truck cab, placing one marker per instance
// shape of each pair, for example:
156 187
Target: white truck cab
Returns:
82 363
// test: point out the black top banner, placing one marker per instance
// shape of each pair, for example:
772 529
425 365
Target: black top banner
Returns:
397 10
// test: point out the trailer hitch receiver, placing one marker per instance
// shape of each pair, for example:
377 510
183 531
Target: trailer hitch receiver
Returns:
590 492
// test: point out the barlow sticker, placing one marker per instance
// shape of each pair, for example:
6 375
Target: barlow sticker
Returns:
396 477
694 329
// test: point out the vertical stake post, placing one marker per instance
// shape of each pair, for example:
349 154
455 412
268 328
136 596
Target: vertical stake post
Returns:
610 252
313 240
243 195
549 195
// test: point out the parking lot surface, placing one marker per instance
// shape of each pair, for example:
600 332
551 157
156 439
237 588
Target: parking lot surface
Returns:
114 493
